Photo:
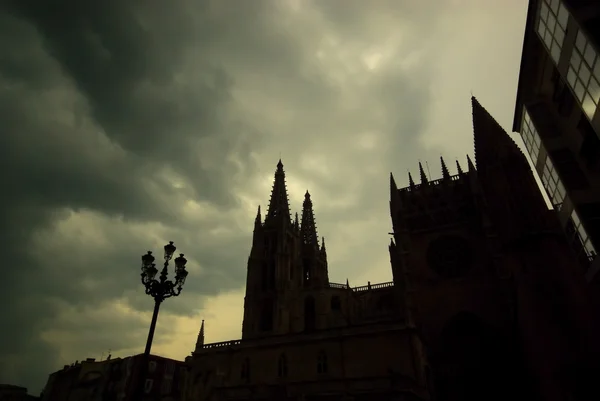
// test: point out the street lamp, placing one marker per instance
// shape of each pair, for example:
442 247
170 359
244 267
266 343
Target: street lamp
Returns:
160 289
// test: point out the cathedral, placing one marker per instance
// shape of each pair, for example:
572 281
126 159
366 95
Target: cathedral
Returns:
486 302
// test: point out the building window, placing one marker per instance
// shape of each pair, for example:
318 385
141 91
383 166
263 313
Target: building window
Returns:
530 136
582 236
552 183
584 75
282 367
245 373
151 366
166 386
322 363
148 385
552 24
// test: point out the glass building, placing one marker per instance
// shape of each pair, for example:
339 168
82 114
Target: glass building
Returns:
557 116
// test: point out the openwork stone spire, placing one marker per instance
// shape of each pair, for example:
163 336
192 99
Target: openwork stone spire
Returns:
308 227
279 205
491 140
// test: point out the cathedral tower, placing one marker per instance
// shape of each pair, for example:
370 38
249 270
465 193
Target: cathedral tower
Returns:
285 259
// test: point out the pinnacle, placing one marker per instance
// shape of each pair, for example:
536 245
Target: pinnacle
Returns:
411 182
470 163
459 168
393 185
445 172
422 174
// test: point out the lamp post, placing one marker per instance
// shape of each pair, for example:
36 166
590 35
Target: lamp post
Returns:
159 289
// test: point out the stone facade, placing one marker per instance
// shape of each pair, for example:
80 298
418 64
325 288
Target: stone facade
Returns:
484 303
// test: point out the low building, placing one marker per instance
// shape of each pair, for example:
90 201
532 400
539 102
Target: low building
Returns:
116 379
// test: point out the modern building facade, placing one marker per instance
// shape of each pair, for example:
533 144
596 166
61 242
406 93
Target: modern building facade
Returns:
116 380
557 114
484 302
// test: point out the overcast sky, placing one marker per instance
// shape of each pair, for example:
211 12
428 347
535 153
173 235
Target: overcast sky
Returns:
125 124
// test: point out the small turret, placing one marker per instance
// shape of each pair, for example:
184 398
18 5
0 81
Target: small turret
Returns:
411 182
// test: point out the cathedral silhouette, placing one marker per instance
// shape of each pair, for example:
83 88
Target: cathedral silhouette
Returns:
486 301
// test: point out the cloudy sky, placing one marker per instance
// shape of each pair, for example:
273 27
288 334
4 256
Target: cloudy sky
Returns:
125 124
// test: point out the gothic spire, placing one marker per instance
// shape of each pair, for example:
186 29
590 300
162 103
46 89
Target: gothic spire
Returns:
200 340
424 179
323 250
411 182
491 140
458 167
279 206
308 227
296 222
445 172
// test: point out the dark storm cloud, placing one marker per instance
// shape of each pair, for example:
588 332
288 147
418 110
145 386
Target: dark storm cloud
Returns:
105 104
93 104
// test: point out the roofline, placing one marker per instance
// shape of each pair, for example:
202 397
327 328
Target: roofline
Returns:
529 25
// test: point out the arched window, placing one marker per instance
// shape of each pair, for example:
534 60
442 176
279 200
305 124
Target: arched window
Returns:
322 362
336 303
282 368
245 373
